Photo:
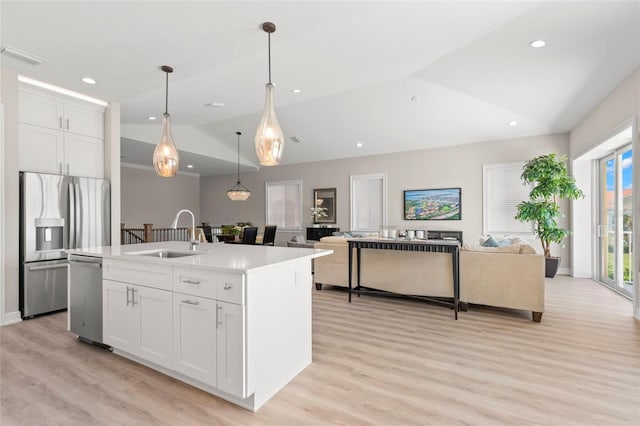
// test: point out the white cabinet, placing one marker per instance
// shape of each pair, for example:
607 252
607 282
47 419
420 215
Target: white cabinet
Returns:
194 337
231 362
59 136
136 320
55 113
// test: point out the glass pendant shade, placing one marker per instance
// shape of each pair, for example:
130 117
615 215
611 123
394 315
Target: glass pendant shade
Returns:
165 156
269 137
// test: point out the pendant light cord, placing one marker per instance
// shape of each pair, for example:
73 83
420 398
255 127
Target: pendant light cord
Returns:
166 95
269 57
238 133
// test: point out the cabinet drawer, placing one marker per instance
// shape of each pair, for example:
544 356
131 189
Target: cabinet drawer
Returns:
231 288
150 275
195 282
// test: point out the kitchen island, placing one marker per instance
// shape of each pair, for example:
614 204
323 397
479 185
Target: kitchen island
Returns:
232 320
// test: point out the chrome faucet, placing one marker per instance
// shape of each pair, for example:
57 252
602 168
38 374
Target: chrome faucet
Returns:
174 225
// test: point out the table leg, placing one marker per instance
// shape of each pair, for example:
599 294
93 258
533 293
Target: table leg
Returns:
350 265
456 282
358 269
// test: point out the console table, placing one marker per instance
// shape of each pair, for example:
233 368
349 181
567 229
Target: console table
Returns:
317 233
433 246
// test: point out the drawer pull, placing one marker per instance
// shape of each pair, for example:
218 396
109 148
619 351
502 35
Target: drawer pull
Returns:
191 282
228 286
191 302
218 316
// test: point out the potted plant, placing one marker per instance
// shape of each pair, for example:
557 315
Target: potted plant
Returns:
551 182
317 213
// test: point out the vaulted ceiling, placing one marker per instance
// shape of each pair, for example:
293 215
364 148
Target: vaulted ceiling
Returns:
394 76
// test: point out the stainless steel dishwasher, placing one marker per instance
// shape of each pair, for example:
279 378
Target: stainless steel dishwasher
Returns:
85 297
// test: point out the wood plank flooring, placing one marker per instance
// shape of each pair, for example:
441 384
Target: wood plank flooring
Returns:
378 361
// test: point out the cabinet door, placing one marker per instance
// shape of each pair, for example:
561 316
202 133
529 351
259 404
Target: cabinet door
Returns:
40 149
194 337
231 362
84 156
85 121
154 309
119 320
40 110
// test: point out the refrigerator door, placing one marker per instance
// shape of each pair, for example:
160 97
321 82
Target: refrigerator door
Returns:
89 213
44 287
43 221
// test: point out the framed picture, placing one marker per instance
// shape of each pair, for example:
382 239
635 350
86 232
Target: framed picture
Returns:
325 198
433 204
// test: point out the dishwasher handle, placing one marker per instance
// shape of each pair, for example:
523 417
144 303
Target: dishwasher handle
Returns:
95 262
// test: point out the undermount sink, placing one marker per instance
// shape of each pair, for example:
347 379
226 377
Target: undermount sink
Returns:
167 254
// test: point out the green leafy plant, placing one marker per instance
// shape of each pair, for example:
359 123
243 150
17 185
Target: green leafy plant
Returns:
551 182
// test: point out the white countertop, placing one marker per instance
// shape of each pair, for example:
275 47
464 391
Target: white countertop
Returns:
222 257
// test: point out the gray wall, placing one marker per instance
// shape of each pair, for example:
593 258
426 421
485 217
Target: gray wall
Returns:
458 166
149 198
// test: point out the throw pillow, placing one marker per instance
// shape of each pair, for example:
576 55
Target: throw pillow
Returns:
504 243
490 242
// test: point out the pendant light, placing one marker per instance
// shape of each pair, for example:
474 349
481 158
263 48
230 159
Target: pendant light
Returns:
238 192
269 137
165 156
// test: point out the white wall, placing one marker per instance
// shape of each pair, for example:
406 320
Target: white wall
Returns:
149 198
10 214
458 166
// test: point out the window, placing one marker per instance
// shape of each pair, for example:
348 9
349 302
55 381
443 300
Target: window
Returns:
502 192
368 202
284 204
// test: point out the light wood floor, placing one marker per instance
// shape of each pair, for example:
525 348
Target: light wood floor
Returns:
379 361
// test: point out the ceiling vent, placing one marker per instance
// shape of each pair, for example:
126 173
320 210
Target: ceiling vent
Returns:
23 56
296 139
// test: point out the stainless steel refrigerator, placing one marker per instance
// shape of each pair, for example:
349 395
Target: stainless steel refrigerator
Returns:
57 213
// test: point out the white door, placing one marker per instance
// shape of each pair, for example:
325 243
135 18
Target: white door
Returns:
84 156
194 334
154 310
231 349
119 318
40 149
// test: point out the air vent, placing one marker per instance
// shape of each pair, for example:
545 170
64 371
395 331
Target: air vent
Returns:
24 56
296 139
215 105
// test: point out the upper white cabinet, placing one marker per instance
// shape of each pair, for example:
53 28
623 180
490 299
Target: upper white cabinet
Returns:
60 135
68 116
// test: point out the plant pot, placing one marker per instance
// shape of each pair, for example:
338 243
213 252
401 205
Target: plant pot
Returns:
551 265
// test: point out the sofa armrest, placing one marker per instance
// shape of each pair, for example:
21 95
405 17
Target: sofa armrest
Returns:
505 280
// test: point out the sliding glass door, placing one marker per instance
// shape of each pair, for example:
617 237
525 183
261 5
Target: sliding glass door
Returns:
616 249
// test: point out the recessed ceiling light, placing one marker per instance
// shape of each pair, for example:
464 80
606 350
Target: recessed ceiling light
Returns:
414 98
513 123
296 91
538 43
151 118
359 145
215 104
189 166
89 80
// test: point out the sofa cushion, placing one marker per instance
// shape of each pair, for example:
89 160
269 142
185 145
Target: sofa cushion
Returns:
334 240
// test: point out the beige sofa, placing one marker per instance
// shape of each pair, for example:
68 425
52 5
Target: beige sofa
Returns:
501 277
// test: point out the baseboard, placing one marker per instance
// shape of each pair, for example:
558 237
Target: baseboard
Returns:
11 318
564 271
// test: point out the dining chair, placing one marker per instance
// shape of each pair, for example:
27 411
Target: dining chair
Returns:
249 235
269 237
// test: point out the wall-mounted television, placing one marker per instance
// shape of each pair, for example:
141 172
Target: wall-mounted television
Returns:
433 204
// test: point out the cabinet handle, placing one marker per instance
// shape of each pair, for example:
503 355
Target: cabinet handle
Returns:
60 167
218 316
128 301
67 124
68 169
133 297
228 286
191 302
191 281
60 122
